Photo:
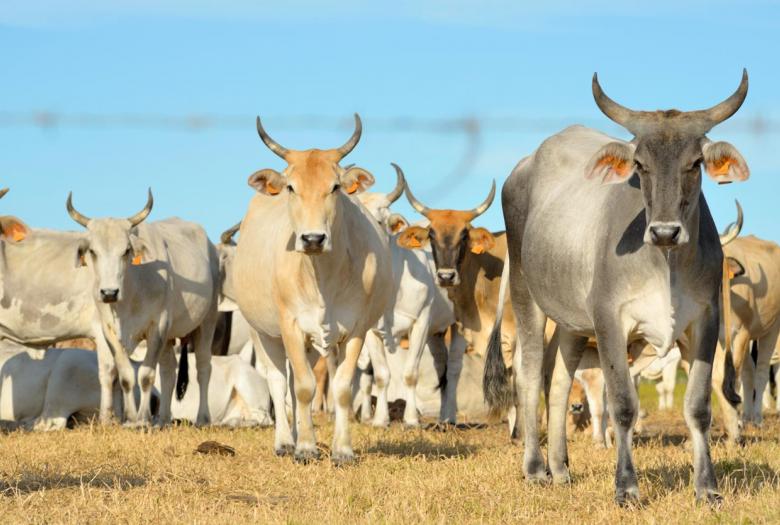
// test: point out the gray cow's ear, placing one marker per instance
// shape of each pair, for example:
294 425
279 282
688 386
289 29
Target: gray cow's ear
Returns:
613 163
724 164
139 249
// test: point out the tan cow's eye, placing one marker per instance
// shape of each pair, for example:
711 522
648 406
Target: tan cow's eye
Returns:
336 187
290 189
92 252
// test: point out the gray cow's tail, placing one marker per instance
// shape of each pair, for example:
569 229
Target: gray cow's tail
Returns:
497 384
183 377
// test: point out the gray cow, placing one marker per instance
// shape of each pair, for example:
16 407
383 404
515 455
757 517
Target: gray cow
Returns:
614 239
154 281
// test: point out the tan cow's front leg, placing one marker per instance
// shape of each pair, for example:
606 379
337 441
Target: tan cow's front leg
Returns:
342 392
304 385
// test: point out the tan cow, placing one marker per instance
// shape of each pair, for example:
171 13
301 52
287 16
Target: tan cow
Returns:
468 262
312 273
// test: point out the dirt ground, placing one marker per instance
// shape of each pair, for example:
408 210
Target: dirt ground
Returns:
93 475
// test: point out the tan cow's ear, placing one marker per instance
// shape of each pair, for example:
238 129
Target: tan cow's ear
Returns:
12 229
613 163
396 223
356 180
413 237
480 240
724 164
267 181
734 267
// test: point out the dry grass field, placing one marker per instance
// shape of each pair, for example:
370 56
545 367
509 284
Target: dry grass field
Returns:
95 475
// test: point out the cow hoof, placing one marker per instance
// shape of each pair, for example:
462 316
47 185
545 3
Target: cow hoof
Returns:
628 498
538 477
343 459
202 422
411 425
380 424
561 478
709 496
306 457
284 450
140 425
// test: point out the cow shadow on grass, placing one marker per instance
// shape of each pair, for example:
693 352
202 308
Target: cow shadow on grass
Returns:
30 482
734 475
420 447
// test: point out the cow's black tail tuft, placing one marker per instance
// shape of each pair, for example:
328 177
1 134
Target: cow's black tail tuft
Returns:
183 377
730 382
497 384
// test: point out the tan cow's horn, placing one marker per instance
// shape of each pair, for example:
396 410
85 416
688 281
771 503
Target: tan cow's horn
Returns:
271 143
139 217
399 186
3 192
227 235
479 210
74 214
417 205
353 140
732 230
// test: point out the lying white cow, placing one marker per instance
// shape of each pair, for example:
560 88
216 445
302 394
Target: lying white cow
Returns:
43 389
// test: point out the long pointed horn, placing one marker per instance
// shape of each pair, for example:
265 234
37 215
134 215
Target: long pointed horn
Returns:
399 185
3 192
417 205
227 235
74 214
271 143
720 112
617 113
732 230
139 217
479 210
353 140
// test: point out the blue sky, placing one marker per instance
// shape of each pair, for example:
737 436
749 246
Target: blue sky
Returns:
422 59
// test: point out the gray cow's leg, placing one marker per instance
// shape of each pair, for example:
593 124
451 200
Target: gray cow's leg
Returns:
146 377
449 408
417 336
697 409
567 358
530 337
107 373
622 403
167 362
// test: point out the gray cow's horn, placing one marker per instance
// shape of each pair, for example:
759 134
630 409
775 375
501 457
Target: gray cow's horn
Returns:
353 140
617 113
74 214
271 143
399 186
417 205
720 112
139 217
479 210
227 235
732 230
3 192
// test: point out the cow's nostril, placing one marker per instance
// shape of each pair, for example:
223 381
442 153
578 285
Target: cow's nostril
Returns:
665 234
313 239
109 295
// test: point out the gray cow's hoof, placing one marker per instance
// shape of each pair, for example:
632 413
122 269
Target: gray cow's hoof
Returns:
343 459
628 497
284 450
709 496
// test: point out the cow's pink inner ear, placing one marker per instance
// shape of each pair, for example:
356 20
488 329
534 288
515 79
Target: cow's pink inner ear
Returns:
15 231
612 164
724 163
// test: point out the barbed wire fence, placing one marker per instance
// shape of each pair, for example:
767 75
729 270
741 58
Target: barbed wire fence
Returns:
472 128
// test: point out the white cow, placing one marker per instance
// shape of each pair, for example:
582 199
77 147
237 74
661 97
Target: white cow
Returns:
153 281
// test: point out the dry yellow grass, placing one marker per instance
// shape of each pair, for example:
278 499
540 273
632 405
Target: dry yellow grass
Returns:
94 475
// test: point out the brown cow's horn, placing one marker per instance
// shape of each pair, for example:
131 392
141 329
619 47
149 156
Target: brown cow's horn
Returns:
74 214
3 192
619 114
479 210
417 205
139 217
227 235
271 143
720 112
399 186
732 230
353 140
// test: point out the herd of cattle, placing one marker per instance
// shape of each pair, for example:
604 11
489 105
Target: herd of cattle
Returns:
611 267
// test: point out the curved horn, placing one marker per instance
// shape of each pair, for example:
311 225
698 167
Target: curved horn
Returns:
399 186
353 140
271 143
720 112
227 235
74 214
3 192
479 210
617 113
417 205
138 218
732 230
